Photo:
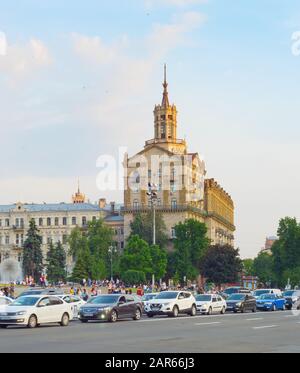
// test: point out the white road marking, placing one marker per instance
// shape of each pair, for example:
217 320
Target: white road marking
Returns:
257 319
265 327
208 323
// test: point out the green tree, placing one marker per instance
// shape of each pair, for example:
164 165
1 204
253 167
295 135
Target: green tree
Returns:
190 245
159 261
133 277
263 268
76 242
221 264
142 226
32 253
82 269
136 257
248 267
56 263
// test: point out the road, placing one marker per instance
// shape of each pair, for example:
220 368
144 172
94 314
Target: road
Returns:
260 332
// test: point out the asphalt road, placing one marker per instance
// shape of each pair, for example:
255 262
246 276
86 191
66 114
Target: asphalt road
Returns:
260 332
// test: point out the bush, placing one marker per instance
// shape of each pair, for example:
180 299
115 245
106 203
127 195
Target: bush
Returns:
133 277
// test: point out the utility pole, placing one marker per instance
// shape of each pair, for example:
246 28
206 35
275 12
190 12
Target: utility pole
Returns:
152 194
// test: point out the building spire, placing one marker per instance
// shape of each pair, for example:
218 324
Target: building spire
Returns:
165 101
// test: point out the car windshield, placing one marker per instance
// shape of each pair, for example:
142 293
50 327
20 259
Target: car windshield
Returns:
203 298
258 293
289 293
31 292
148 297
104 299
24 301
267 296
237 297
167 295
231 290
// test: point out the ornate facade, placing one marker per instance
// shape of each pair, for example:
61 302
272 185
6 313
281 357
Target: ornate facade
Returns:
179 179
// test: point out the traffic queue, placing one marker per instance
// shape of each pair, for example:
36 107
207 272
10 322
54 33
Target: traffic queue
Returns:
35 307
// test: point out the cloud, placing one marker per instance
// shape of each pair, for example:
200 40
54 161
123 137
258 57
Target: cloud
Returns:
3 44
174 3
20 61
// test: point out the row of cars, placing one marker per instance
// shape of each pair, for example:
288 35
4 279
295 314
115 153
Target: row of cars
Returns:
37 307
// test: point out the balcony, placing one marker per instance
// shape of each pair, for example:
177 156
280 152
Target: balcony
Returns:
164 208
18 227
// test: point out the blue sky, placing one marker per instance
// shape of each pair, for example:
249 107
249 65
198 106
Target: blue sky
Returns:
81 78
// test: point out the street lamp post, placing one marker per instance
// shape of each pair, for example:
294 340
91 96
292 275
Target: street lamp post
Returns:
152 194
111 250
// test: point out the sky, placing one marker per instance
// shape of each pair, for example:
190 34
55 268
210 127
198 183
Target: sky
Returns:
79 79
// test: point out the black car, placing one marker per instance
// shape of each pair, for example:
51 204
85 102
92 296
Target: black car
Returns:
241 303
111 308
292 298
235 290
41 291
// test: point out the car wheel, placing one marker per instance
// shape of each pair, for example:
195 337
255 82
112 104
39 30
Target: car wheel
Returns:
274 308
65 320
3 326
223 311
193 311
138 314
32 322
209 311
254 310
113 316
175 311
283 307
243 309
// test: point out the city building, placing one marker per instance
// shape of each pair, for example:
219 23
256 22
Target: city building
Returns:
178 176
55 223
269 244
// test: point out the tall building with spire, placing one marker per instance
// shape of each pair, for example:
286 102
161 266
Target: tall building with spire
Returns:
179 179
78 197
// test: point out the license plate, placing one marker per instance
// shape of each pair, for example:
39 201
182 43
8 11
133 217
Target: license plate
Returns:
155 309
89 314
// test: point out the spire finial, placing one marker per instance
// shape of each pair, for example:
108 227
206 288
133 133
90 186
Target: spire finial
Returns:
165 101
78 186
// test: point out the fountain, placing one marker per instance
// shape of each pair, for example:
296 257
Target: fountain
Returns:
10 271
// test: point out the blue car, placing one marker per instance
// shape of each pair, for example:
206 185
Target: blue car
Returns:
271 302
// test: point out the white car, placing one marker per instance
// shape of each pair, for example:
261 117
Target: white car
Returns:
257 293
74 301
171 303
207 304
4 301
31 311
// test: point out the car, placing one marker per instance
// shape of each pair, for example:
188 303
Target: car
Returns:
111 307
41 291
235 290
292 298
271 302
74 301
34 310
147 297
208 304
257 293
4 301
171 304
241 303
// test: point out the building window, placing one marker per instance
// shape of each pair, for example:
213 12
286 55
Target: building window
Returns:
174 203
64 239
6 240
65 221
94 218
173 233
122 245
136 204
49 240
22 239
163 131
41 222
17 222
48 222
7 222
74 220
56 222
17 240
84 221
122 231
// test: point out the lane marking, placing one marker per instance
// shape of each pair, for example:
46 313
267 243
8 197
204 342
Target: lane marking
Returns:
257 319
208 323
265 327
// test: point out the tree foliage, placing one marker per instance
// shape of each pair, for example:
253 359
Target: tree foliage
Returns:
56 263
221 264
190 246
32 253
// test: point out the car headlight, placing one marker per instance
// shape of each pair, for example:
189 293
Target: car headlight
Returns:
21 313
103 309
204 305
166 304
238 304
